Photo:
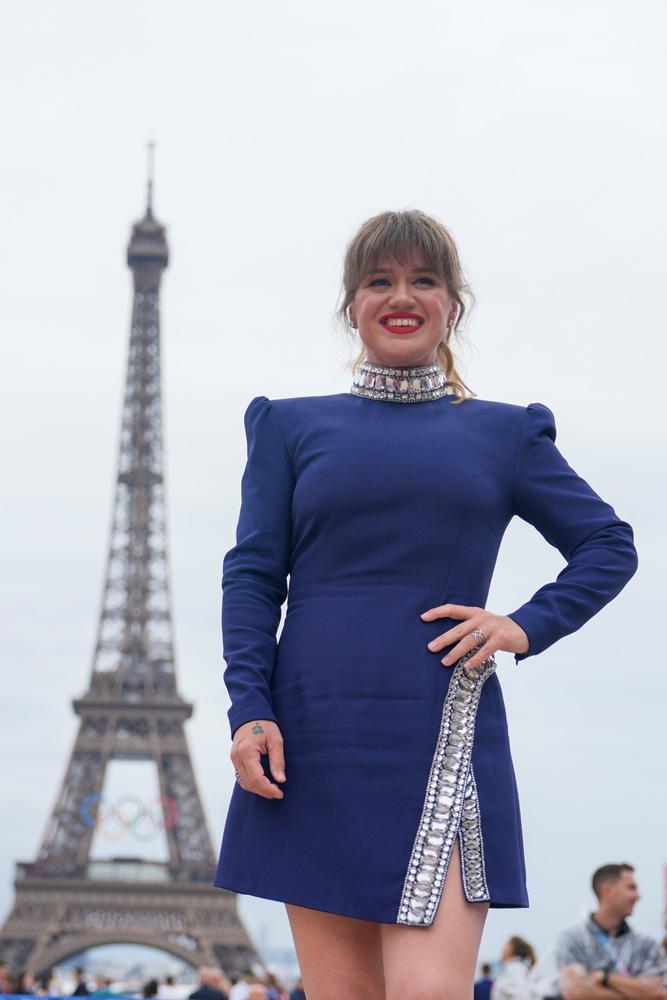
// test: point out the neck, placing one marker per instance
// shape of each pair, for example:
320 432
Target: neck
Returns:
609 922
428 359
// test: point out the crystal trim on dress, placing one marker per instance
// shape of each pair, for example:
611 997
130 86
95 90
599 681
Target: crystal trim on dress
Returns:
400 385
451 806
472 846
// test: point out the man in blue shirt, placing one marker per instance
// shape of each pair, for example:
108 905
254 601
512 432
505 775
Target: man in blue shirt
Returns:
483 985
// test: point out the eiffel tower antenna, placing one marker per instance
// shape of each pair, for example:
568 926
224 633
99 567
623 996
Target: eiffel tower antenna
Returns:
151 170
67 900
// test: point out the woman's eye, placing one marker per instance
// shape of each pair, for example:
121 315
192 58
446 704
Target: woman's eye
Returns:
385 281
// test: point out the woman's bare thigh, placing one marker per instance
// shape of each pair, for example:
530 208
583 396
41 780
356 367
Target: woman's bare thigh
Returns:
440 960
340 958
343 958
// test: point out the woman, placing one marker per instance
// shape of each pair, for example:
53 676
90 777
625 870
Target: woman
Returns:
274 988
371 740
25 984
44 987
518 958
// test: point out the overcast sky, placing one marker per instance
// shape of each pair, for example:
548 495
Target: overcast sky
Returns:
536 132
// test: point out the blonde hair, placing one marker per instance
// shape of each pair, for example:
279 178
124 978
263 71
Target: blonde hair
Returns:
397 235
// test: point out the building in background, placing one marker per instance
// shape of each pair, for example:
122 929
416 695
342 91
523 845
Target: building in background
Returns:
71 898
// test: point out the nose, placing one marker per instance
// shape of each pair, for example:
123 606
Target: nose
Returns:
402 296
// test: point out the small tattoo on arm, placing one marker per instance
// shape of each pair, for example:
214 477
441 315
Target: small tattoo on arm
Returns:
257 728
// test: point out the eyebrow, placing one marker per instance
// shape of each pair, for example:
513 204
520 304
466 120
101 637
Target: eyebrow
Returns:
388 270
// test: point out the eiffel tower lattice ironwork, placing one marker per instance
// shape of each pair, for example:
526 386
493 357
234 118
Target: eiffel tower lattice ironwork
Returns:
66 901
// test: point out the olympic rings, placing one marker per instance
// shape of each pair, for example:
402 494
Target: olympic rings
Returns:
129 815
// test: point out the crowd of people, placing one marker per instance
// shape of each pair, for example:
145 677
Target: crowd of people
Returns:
212 984
601 958
23 983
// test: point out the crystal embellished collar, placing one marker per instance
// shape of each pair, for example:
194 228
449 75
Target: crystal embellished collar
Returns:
400 385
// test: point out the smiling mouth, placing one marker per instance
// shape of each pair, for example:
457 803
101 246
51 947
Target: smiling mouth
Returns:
401 322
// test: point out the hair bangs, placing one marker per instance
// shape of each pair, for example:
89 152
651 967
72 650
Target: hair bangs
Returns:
397 236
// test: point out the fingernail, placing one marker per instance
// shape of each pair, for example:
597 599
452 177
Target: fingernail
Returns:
445 660
280 776
431 645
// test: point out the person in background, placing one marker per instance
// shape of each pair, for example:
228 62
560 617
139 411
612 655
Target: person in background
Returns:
44 987
150 989
209 988
81 987
5 978
103 987
482 989
220 981
25 984
240 986
274 988
543 977
518 958
169 990
603 956
298 992
257 991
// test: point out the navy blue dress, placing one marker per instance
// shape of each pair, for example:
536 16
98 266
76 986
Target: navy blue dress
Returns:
377 511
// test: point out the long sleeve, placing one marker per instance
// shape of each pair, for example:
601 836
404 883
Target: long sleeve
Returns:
255 570
570 515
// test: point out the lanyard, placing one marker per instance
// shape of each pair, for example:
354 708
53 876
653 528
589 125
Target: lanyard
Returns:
612 951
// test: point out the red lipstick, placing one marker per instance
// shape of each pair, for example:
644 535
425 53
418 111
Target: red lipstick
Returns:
388 321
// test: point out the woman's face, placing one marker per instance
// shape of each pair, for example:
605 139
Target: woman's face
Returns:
415 299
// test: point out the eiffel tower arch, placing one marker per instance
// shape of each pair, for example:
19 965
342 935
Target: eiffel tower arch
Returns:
66 901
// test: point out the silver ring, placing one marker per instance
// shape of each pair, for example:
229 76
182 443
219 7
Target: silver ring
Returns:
479 635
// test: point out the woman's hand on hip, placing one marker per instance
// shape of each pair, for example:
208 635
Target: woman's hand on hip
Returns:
251 741
500 632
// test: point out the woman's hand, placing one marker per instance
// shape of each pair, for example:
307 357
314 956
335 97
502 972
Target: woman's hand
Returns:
251 740
500 632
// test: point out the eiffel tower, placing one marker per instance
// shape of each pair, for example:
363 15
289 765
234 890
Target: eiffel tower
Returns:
66 901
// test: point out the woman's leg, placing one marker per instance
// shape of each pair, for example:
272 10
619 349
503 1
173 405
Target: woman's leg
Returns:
340 957
425 963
